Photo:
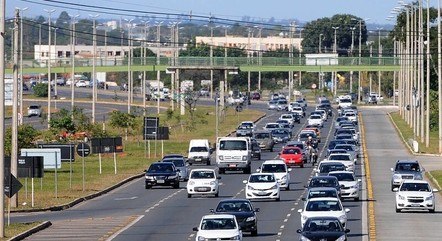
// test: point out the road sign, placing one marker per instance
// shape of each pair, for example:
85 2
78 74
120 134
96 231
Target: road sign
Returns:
313 86
83 149
12 185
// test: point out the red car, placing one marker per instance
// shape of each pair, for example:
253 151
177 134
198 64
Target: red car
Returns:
256 96
292 156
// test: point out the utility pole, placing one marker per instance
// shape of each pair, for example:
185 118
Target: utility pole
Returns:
439 76
94 74
49 65
73 17
20 120
129 62
427 114
2 117
158 63
351 54
14 142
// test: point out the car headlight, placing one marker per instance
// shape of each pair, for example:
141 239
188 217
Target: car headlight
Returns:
429 198
274 187
250 188
201 238
221 157
244 158
355 186
342 218
304 238
237 237
342 238
418 177
304 217
250 219
212 183
284 177
149 178
396 176
401 197
191 183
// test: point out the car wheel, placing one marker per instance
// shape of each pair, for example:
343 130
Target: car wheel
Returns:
208 163
302 165
398 210
271 149
147 186
259 157
217 194
278 199
432 210
189 195
392 187
176 186
288 187
248 170
254 232
356 199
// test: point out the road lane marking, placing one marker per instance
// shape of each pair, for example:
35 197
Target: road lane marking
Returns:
125 198
162 200
125 228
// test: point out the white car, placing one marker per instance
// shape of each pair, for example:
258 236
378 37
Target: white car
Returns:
324 207
288 117
415 195
279 169
344 158
203 182
350 186
345 102
272 126
299 110
323 113
292 105
82 84
351 116
315 120
262 186
218 227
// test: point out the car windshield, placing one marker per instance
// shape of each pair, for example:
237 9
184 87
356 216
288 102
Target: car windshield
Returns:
323 182
306 135
282 102
159 168
261 178
339 157
315 117
346 177
218 223
279 132
344 147
322 193
34 107
202 175
336 151
345 100
271 168
272 126
323 205
343 137
409 167
247 124
291 151
233 145
415 187
198 149
326 168
340 119
332 144
286 117
262 135
176 162
272 102
234 206
323 225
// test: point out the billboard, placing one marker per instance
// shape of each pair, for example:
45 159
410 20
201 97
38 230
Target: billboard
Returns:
51 157
8 90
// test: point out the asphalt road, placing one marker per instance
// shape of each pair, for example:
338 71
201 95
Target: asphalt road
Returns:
167 214
384 149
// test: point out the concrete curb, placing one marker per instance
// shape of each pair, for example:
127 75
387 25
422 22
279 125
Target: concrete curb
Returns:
31 231
406 143
81 199
370 194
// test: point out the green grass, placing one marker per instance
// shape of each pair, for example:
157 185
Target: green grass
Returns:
17 228
132 161
407 132
437 176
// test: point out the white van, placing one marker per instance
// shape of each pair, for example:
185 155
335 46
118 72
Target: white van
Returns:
199 152
234 153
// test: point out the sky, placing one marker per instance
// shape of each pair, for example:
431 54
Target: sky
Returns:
304 10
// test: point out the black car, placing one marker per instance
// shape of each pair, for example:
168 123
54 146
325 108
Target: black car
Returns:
296 117
325 181
322 228
244 212
162 174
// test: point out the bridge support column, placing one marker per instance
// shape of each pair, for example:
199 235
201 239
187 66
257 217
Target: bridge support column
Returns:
211 84
248 81
351 81
172 90
259 80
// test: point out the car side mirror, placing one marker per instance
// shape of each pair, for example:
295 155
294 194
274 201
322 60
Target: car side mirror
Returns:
435 190
257 210
359 180
347 230
211 210
195 229
347 210
218 177
299 231
245 182
304 199
395 189
299 210
391 169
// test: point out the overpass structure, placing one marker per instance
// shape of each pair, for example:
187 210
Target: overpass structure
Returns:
255 64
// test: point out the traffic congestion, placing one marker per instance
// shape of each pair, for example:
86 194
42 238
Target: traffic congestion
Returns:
311 151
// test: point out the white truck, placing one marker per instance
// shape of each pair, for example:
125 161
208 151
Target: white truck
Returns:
234 153
199 152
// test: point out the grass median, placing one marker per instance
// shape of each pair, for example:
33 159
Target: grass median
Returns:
407 133
15 229
132 161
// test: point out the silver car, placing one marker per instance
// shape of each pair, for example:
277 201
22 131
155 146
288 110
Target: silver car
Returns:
34 110
181 165
272 105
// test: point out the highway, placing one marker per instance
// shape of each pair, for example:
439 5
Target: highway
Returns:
167 214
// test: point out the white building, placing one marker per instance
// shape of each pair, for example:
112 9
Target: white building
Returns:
270 43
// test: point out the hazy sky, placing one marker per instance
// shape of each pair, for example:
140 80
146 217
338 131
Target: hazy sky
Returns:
304 10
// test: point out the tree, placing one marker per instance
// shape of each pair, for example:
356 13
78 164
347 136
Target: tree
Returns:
324 26
27 135
190 99
123 120
41 90
65 121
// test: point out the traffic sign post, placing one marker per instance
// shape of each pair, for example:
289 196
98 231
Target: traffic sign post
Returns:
83 150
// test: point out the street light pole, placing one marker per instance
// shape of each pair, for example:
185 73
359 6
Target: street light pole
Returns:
379 60
73 17
427 114
320 43
439 70
94 74
49 65
335 47
158 63
20 120
351 54
129 60
2 117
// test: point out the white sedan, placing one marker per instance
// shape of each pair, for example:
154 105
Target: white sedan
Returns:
203 182
316 120
279 169
415 195
218 227
324 207
350 186
262 186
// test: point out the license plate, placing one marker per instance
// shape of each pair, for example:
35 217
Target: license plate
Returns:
198 159
232 165
415 205
202 189
160 181
262 193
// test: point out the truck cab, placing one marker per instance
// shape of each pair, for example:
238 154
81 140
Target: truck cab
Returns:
234 153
